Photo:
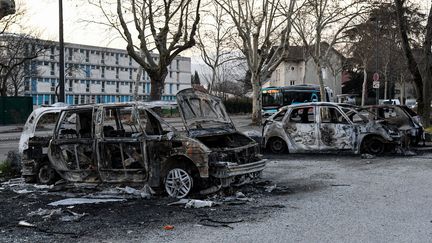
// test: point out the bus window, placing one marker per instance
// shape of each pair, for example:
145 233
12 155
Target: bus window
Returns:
272 98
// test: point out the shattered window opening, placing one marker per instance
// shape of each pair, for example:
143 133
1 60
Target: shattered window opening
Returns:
332 115
303 115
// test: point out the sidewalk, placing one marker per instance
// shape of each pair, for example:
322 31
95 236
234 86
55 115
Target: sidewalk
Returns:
11 128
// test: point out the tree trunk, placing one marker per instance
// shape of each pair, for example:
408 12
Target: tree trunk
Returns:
137 82
364 86
402 81
321 81
386 81
156 89
256 100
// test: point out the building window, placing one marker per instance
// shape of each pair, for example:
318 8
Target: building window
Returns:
292 82
53 85
70 54
70 85
130 74
52 68
87 87
178 77
170 74
178 64
130 87
87 56
103 57
117 72
171 88
117 86
178 87
103 72
117 59
103 86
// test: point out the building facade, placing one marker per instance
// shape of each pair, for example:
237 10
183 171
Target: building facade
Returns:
299 68
97 75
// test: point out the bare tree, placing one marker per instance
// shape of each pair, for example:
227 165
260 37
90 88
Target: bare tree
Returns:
264 32
214 36
15 51
421 78
7 7
321 21
167 27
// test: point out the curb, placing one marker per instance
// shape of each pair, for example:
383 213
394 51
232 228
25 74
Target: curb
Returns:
10 139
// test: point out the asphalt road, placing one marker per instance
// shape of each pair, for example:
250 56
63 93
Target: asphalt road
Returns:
318 198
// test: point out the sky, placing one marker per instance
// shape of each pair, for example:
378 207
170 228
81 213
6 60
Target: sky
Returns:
43 16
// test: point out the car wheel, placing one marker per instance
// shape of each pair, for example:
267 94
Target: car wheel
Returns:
46 175
374 146
178 183
277 146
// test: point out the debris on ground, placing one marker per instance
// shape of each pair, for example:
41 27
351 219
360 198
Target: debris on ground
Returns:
239 196
194 203
25 224
45 213
72 216
368 156
270 188
127 192
219 223
168 227
75 201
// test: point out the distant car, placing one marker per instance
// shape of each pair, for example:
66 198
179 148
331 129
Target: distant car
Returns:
33 144
130 143
402 117
326 127
389 102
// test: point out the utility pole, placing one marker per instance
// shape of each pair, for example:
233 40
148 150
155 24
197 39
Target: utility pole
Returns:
61 97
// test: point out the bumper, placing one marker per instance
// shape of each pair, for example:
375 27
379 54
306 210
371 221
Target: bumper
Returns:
222 169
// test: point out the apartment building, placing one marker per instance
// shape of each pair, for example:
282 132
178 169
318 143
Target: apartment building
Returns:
97 75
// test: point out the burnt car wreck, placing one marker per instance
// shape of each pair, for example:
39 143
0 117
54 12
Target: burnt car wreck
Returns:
129 142
327 127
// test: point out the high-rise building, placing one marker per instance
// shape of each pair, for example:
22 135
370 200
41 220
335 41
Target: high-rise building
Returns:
97 75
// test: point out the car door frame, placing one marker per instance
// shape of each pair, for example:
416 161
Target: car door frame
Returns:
298 132
336 136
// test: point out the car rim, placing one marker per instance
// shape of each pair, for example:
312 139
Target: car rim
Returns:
277 145
178 183
46 174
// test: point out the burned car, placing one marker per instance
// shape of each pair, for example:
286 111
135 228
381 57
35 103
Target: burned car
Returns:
401 117
326 127
129 142
33 144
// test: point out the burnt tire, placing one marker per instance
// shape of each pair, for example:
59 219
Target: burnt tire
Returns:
178 182
46 175
277 146
374 145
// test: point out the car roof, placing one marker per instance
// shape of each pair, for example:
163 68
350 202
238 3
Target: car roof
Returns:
312 104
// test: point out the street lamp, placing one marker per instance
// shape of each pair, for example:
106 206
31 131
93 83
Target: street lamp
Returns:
61 97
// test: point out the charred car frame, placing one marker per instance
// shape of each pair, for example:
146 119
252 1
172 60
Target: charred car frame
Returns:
326 127
129 142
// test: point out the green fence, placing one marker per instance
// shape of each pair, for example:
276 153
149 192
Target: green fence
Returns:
15 110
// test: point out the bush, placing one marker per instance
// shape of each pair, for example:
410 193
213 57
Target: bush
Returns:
11 166
238 105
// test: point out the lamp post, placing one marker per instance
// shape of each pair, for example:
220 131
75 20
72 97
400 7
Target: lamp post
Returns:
61 97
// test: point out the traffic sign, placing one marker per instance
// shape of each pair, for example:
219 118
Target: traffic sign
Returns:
376 84
376 77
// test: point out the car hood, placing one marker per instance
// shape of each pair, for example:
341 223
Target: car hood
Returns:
203 114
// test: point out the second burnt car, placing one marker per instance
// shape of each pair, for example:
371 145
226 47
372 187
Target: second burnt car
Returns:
401 117
129 142
326 127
